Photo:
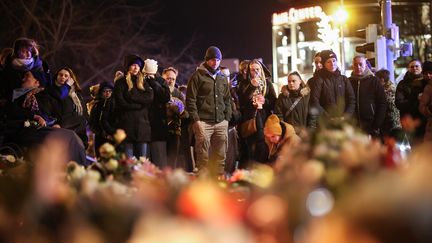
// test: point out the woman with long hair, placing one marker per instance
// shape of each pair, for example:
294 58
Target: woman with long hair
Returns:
65 103
133 98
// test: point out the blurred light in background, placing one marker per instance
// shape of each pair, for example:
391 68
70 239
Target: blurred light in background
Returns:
319 202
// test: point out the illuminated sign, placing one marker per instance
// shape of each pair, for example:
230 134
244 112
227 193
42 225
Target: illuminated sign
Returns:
297 15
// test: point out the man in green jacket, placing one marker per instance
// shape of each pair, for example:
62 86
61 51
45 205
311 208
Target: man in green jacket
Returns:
208 101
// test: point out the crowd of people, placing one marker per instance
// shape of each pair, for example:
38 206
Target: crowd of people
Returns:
218 120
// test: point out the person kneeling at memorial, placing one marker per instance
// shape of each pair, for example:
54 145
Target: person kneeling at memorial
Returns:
277 134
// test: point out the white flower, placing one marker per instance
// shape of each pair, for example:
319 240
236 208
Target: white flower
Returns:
27 123
107 150
10 158
112 164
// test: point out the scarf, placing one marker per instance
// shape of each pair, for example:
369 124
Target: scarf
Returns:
30 101
211 70
365 74
23 64
77 102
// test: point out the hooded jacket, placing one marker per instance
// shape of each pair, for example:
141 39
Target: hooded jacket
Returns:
208 96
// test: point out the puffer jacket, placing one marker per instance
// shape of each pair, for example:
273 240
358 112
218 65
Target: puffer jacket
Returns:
207 98
332 96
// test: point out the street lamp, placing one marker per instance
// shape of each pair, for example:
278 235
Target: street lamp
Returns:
341 16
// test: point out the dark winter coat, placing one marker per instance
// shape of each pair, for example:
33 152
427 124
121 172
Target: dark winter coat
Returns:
59 105
332 96
298 117
31 134
407 99
371 103
102 120
158 116
407 94
425 108
132 109
235 107
247 108
207 98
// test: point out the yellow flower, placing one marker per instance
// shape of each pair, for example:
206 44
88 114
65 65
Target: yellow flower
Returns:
119 136
107 150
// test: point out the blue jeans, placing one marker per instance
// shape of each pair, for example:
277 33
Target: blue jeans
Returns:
137 149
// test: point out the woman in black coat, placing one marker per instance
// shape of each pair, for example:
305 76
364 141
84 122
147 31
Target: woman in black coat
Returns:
133 98
65 103
257 99
292 105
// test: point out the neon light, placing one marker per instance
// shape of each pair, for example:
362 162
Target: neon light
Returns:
297 15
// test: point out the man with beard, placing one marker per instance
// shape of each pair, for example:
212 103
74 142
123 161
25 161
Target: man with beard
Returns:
208 102
170 75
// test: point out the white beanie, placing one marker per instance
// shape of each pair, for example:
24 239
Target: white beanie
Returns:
150 66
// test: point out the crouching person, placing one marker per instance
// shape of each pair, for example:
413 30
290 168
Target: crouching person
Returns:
277 134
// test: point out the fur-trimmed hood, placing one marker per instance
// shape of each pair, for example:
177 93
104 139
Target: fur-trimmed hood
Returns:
303 91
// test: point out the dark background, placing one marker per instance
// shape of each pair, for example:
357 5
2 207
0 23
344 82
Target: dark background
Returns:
240 28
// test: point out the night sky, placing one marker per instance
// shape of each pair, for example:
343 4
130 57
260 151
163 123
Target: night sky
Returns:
240 28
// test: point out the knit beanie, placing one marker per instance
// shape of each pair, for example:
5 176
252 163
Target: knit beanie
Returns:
150 66
327 54
213 52
133 59
427 66
106 85
272 125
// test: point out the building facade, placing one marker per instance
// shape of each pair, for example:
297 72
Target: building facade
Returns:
302 31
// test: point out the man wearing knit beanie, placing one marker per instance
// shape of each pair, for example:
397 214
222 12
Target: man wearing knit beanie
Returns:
213 52
332 95
208 101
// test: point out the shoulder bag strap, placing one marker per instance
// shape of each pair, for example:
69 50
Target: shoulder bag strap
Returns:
293 106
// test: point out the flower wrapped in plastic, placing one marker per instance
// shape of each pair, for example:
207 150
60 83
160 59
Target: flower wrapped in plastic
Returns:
176 105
